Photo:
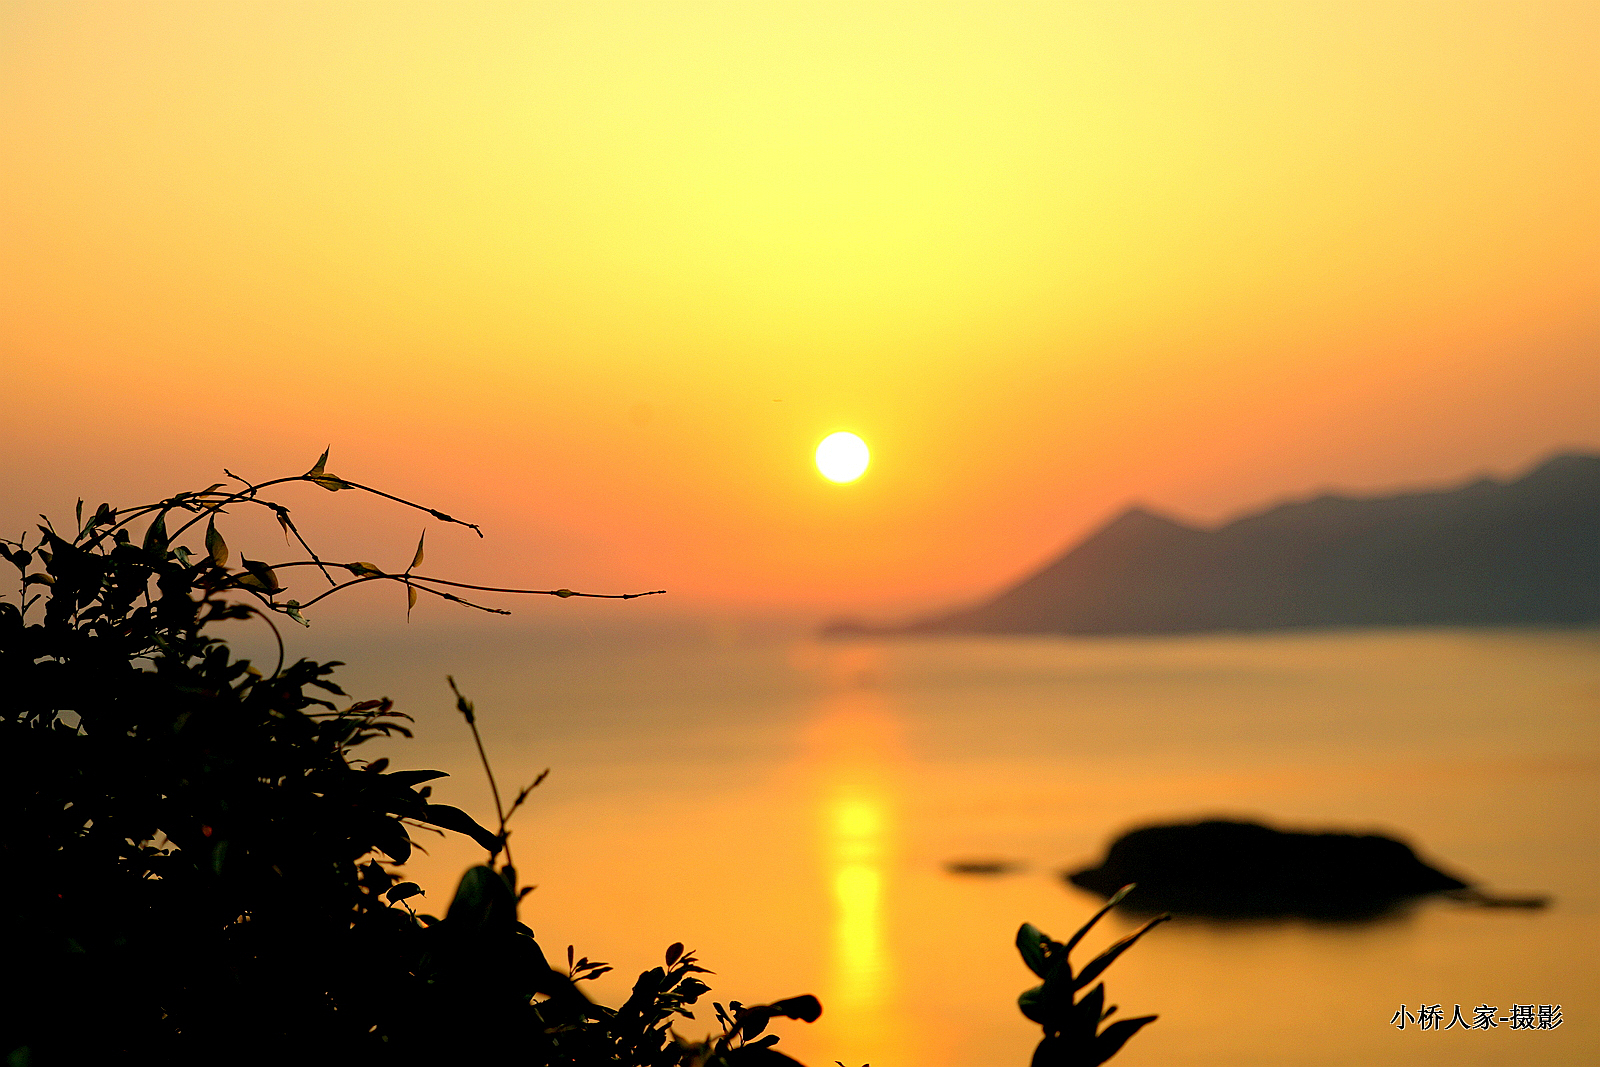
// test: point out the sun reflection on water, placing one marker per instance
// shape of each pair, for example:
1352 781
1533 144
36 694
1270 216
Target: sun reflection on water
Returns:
858 942
857 748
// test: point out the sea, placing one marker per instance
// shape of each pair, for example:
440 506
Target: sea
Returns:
789 808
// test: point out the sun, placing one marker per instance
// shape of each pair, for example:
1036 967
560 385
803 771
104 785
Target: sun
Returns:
842 457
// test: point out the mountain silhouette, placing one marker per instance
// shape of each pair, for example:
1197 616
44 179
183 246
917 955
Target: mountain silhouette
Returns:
1488 553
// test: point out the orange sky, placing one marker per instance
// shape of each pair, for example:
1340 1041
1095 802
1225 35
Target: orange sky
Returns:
600 275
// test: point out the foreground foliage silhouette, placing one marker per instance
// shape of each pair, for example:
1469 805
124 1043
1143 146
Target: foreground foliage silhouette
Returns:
198 865
1072 1033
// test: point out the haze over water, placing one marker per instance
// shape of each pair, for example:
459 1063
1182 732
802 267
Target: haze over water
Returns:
787 808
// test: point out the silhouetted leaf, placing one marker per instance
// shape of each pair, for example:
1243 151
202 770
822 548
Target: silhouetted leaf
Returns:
482 903
404 891
259 576
1116 898
1109 956
451 818
1030 943
215 545
416 561
409 778
1113 1037
363 570
1086 1013
1031 1002
319 475
155 536
674 952
390 837
806 1008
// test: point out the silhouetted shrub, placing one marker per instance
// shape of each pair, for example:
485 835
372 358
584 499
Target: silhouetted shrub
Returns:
199 865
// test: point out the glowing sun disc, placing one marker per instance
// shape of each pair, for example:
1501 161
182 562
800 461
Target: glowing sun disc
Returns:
842 457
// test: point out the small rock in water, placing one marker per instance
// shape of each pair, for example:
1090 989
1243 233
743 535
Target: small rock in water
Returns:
982 867
1227 869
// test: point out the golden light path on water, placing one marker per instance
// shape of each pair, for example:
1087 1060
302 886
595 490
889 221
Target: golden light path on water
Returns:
858 948
859 760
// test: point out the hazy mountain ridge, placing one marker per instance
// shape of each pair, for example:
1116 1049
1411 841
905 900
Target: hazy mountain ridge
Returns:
1488 553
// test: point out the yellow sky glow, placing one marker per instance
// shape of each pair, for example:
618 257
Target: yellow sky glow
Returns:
597 273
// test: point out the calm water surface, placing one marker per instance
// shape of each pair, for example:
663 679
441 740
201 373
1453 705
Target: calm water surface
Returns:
787 808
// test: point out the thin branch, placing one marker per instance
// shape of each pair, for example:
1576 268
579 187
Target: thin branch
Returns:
275 633
393 578
563 593
409 578
214 507
441 516
210 505
288 524
517 803
465 707
211 502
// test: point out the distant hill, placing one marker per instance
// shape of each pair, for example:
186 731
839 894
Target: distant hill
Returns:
1488 553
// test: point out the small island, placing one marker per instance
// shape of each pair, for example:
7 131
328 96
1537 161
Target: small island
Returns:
1228 869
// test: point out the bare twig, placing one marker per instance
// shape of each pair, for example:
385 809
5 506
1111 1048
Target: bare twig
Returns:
464 706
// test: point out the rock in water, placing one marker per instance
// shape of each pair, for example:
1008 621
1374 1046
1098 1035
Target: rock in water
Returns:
1229 869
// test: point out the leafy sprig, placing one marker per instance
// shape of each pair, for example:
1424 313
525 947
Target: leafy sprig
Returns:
109 528
1072 1033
